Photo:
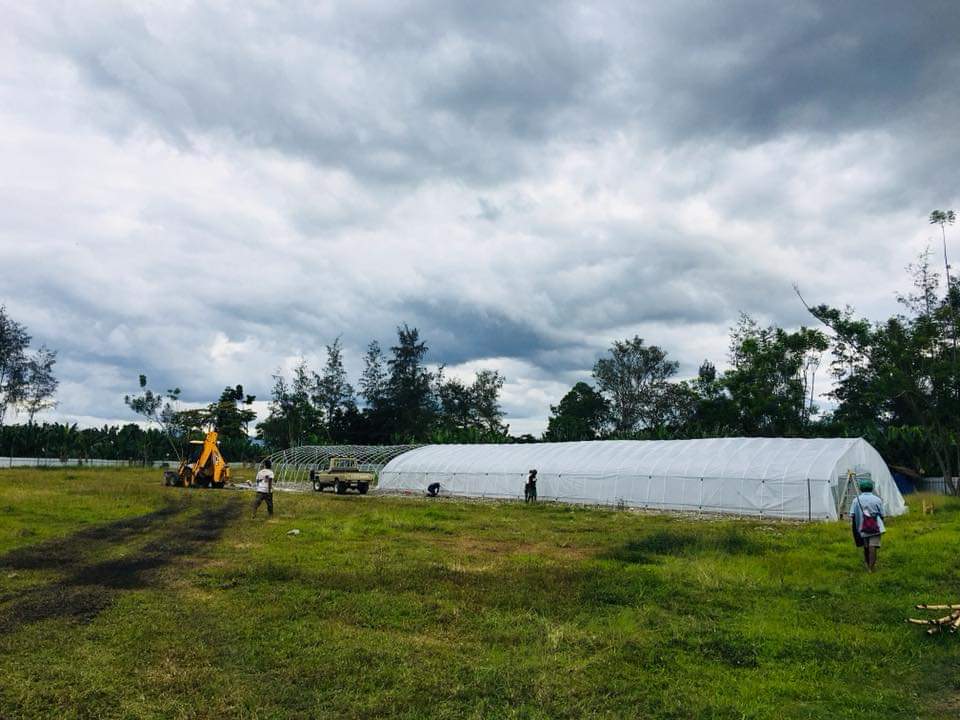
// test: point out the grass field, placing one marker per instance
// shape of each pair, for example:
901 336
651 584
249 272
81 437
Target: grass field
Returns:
120 598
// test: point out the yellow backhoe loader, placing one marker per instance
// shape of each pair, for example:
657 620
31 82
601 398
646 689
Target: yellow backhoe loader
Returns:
208 469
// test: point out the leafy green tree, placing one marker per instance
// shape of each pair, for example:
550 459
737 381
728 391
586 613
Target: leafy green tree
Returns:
159 408
474 407
232 413
634 379
768 382
581 415
714 413
40 384
293 420
455 402
14 364
485 397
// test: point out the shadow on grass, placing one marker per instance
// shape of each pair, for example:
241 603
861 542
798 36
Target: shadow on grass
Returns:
687 541
88 587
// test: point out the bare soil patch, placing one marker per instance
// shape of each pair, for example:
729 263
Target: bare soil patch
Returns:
87 586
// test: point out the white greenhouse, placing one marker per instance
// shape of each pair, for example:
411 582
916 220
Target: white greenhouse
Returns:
804 479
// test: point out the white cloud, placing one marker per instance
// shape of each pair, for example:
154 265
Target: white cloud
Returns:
205 195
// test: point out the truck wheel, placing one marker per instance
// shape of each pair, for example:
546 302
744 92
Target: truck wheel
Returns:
317 487
341 487
362 488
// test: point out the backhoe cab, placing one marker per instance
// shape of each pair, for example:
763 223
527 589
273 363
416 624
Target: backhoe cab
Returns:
206 469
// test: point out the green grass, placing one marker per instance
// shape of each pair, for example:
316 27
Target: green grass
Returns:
393 607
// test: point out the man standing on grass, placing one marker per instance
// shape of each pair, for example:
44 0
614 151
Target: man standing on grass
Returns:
264 488
530 489
867 513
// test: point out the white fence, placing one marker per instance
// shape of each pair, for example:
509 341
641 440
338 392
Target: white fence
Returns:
21 462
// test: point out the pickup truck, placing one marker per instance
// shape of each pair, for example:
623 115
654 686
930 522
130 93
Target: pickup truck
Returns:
342 474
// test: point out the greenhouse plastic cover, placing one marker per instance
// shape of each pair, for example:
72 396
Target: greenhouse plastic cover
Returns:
776 477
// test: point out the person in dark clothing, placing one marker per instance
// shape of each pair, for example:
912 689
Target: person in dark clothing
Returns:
433 489
530 489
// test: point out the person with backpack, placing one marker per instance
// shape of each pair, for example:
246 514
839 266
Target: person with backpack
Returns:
866 512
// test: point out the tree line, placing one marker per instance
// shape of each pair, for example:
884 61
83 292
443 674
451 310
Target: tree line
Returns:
895 382
398 399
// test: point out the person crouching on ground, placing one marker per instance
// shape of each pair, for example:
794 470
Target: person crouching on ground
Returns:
530 489
867 513
264 488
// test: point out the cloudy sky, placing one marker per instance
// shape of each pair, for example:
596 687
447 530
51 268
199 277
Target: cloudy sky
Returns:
204 193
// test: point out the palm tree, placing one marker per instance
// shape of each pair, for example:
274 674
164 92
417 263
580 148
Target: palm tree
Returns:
944 218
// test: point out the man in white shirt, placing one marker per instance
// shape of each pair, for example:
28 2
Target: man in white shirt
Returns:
264 488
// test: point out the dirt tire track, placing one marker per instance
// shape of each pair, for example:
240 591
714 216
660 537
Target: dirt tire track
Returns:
87 587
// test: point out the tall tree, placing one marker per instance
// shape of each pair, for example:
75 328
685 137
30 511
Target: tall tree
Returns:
232 413
474 407
293 420
332 393
485 397
455 401
944 218
634 378
409 396
580 415
373 380
768 380
14 341
714 413
40 383
158 407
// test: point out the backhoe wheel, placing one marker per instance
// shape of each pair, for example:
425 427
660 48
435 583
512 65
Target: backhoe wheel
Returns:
317 487
217 485
362 488
341 487
169 478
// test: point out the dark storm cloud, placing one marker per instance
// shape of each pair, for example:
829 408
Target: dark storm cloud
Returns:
457 333
756 69
397 93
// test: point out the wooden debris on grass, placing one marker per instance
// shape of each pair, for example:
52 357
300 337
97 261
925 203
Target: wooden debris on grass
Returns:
950 622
